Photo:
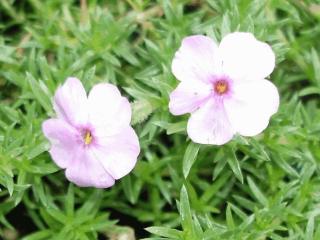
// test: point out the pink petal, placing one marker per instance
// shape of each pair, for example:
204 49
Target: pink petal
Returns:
251 106
210 125
70 102
244 57
109 112
188 96
63 139
118 154
196 59
87 171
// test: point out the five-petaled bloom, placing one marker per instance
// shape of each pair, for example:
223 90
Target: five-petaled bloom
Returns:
224 87
91 137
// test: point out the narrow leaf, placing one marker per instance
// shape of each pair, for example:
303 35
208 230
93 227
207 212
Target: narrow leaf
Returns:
164 232
185 211
235 165
257 192
189 157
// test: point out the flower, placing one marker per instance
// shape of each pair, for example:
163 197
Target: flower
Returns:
224 87
91 137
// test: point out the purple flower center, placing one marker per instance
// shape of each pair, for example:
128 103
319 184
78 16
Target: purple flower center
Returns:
221 86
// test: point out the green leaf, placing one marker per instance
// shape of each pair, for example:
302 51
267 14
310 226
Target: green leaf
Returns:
40 92
176 127
128 189
316 65
141 109
229 218
310 229
7 181
257 192
309 91
225 25
57 215
234 165
88 76
38 149
165 232
190 157
40 235
185 212
70 201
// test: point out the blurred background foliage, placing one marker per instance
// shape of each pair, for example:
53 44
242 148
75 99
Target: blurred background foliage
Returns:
266 187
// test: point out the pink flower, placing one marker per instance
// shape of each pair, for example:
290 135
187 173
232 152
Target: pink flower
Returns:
224 87
91 137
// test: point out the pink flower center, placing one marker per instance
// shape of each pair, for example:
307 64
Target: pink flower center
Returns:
221 87
87 137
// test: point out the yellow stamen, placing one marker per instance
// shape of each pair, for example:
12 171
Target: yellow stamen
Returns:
87 138
221 87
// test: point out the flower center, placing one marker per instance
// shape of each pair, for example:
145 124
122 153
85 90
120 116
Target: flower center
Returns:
87 138
221 87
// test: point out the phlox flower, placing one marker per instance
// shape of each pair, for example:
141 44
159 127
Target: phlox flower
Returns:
91 136
224 87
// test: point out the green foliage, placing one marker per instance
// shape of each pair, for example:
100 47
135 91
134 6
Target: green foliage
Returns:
265 187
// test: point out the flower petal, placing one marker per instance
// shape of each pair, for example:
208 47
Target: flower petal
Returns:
108 110
196 59
210 125
70 102
87 171
244 57
188 96
251 106
118 154
63 139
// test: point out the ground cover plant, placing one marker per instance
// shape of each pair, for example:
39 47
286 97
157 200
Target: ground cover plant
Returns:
261 187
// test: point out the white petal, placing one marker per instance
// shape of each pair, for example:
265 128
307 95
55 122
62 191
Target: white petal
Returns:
70 102
63 139
251 106
244 57
188 96
196 59
210 125
109 112
118 153
87 171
